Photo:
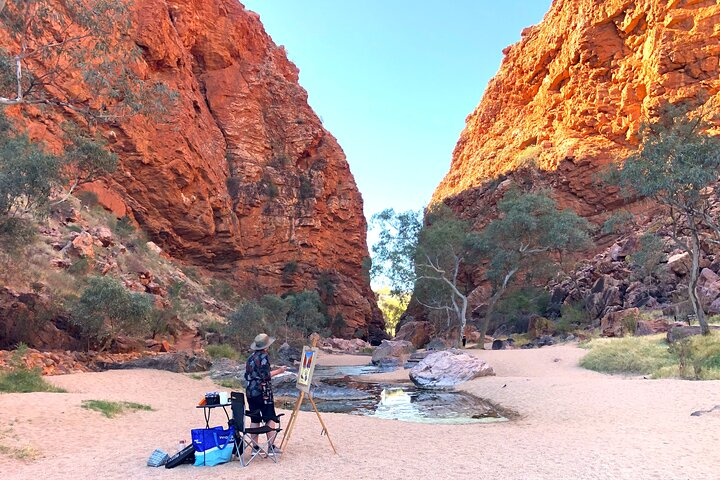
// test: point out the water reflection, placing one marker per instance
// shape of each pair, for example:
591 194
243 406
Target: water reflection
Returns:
409 404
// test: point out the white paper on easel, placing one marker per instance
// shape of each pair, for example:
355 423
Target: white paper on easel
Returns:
307 368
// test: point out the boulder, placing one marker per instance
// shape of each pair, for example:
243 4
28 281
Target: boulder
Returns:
616 324
442 370
82 245
104 235
651 327
679 263
417 333
708 287
392 352
678 332
437 344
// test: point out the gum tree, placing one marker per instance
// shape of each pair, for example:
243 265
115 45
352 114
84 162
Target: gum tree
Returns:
676 165
425 260
49 42
528 238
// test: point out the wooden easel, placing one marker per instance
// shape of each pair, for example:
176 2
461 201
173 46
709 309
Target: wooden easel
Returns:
296 410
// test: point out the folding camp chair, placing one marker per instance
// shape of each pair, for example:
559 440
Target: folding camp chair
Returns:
244 435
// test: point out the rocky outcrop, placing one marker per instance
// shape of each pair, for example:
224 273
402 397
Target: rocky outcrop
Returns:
571 95
241 178
441 370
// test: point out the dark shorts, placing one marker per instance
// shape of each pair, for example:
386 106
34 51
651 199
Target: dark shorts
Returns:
261 412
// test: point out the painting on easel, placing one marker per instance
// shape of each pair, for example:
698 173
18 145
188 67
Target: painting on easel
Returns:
307 367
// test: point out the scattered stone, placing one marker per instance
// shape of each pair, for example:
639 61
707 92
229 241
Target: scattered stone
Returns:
82 245
437 344
442 370
104 235
698 413
180 362
679 263
392 352
153 247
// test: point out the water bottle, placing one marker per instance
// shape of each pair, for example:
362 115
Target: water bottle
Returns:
181 445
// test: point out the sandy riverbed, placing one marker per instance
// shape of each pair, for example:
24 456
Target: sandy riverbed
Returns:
574 424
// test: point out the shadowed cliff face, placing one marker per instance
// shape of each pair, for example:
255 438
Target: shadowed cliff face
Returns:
573 93
243 178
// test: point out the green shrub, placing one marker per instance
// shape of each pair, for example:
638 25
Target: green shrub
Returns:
649 255
16 233
221 351
630 355
107 309
24 380
113 409
20 379
617 222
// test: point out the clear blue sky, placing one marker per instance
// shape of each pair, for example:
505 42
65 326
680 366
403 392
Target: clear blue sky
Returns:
393 80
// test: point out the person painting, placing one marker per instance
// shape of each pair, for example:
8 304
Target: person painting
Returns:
259 387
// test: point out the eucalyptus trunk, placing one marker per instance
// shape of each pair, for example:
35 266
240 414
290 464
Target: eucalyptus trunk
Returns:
692 287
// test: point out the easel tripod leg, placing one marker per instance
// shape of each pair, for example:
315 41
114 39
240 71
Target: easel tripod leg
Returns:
293 419
322 423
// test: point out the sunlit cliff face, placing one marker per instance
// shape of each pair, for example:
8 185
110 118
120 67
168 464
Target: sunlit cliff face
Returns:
572 94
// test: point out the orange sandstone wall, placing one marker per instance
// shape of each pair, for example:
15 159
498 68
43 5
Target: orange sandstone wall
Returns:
243 179
573 92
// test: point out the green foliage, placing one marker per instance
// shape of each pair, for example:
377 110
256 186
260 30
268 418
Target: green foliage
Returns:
676 161
698 357
24 380
326 285
48 33
80 267
20 379
248 319
271 190
306 313
392 307
232 384
28 174
394 252
221 351
530 228
649 255
288 270
16 234
517 306
222 290
306 188
293 317
572 317
86 156
618 221
87 198
113 409
124 228
106 309
629 355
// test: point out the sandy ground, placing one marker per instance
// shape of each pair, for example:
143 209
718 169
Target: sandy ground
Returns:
574 424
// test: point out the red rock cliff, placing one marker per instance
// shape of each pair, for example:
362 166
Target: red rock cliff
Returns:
574 91
244 179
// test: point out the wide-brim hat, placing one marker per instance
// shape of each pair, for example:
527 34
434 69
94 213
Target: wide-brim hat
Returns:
262 342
